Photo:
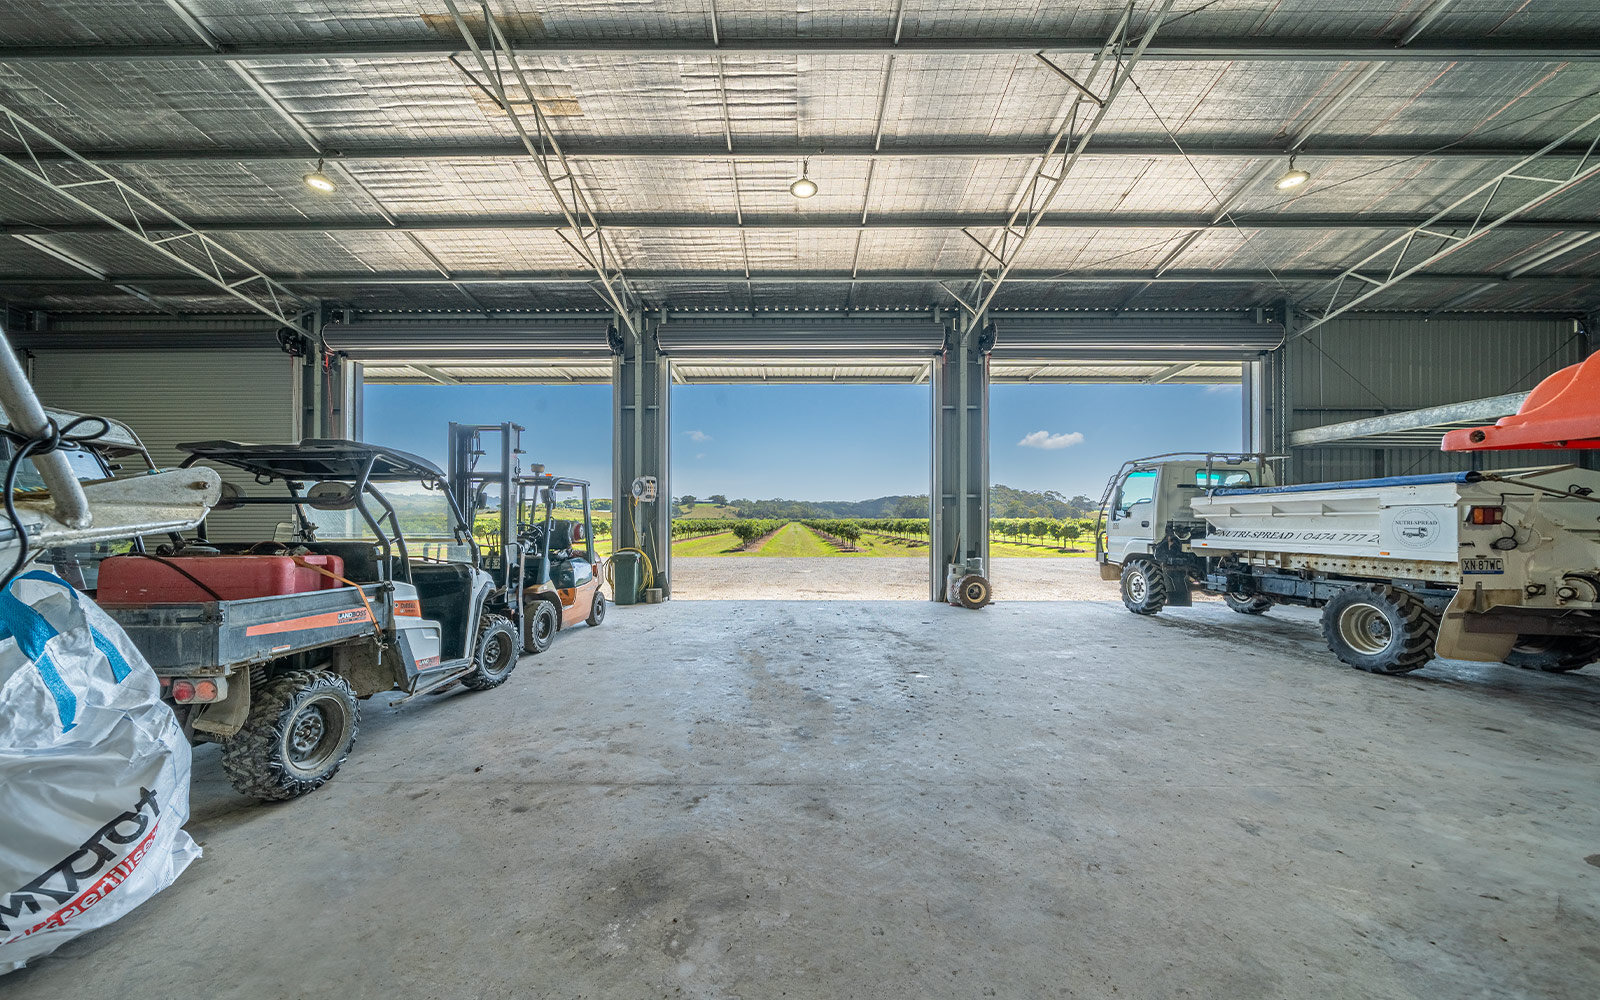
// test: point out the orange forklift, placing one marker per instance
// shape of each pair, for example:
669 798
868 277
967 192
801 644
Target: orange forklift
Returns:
547 572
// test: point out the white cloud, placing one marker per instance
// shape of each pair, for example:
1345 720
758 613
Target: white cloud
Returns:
699 437
1050 442
1223 387
701 455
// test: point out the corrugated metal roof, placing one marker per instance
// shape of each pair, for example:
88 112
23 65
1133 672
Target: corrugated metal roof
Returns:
805 104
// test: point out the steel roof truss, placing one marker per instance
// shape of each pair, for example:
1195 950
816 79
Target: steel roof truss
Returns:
1394 261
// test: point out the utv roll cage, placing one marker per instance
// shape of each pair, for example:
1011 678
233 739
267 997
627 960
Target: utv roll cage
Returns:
335 460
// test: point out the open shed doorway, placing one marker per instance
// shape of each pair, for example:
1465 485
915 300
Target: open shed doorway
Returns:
1052 450
566 429
800 491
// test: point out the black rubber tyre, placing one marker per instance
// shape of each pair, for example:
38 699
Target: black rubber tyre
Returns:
597 614
301 727
1248 604
497 654
1144 587
1383 630
973 591
542 625
1555 654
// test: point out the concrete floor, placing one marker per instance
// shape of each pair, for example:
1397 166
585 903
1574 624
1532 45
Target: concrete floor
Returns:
765 799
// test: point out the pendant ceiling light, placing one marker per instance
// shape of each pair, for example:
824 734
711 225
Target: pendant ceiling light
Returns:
1293 177
803 186
319 181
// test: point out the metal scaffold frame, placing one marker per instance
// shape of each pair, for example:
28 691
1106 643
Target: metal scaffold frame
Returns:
587 239
1042 186
1395 260
128 212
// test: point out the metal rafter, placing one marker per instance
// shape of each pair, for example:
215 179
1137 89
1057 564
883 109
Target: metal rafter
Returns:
700 222
1233 49
645 148
1043 186
1519 275
122 209
95 272
1407 254
586 237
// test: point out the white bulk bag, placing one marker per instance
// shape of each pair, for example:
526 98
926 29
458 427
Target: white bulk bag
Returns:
94 772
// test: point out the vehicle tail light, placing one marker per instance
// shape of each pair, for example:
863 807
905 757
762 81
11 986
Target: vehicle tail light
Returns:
1486 515
202 690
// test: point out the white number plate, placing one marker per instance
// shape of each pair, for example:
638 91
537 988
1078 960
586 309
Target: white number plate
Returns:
1483 564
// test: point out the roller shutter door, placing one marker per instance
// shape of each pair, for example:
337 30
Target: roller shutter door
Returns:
190 395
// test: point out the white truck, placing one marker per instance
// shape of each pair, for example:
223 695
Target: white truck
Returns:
1496 567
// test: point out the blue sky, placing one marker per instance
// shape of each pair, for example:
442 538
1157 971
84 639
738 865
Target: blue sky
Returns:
827 442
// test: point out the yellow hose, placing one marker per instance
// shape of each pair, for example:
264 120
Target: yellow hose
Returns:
646 580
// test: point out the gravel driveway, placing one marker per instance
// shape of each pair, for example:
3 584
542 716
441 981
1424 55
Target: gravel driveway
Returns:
884 579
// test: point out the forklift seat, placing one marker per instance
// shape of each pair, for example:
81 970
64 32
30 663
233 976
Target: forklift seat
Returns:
568 567
569 573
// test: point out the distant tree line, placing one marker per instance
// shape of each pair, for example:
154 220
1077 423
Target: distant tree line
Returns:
1004 502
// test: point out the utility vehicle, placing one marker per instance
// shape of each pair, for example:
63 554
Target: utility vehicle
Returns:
1497 567
265 645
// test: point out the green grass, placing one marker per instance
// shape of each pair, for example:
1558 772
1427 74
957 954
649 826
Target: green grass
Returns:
708 511
721 544
997 547
882 545
795 539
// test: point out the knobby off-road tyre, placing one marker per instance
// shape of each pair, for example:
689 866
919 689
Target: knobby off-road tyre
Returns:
542 625
1383 630
1248 604
301 727
597 614
973 591
1144 587
497 654
1555 654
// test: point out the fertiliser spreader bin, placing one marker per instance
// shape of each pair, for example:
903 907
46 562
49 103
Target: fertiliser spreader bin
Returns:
264 644
1497 567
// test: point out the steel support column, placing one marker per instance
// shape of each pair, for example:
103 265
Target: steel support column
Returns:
959 497
314 401
1253 381
1275 406
641 388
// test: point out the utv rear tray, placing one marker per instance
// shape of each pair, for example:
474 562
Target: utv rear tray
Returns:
212 637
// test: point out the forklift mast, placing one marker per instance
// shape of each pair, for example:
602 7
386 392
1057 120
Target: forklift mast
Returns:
470 485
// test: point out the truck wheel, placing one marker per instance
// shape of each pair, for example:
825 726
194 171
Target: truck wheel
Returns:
1384 630
300 729
542 624
1554 654
1144 587
497 654
1248 604
597 614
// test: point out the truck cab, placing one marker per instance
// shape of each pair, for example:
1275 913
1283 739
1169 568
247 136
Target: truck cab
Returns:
1146 503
